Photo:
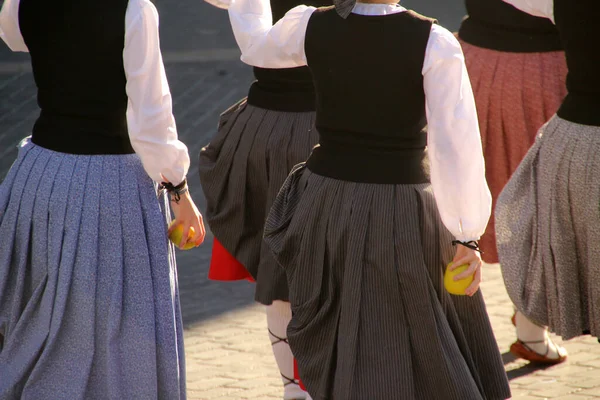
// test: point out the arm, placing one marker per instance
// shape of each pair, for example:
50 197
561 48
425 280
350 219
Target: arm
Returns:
152 129
264 44
454 143
539 8
9 26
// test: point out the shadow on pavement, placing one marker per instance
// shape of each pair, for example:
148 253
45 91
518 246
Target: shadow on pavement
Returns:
526 369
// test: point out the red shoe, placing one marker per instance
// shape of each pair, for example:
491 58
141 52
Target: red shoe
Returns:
520 349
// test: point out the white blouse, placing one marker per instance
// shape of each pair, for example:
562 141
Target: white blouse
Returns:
454 143
150 120
539 8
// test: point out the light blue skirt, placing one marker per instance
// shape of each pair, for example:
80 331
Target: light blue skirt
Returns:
89 304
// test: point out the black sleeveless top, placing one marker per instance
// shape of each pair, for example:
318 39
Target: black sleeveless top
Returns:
76 49
577 23
290 89
370 130
496 25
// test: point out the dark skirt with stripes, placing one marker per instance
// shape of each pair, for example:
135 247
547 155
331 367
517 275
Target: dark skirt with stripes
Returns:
371 318
548 229
241 171
89 304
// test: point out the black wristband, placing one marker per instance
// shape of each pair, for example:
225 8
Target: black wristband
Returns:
473 245
175 191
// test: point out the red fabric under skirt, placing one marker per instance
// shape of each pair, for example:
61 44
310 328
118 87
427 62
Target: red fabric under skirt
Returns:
224 267
297 375
515 93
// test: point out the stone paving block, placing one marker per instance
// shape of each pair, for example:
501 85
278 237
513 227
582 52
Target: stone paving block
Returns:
209 383
255 383
594 393
267 392
589 383
215 393
556 390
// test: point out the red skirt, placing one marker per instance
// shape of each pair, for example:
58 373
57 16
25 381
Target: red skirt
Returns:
515 93
224 267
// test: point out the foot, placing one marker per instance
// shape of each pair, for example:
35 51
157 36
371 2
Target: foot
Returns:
539 351
294 392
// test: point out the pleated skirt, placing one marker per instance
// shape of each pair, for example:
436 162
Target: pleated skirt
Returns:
371 318
515 94
89 304
241 171
548 227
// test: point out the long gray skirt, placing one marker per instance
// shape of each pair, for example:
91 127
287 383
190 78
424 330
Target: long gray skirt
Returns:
242 170
89 305
548 230
371 318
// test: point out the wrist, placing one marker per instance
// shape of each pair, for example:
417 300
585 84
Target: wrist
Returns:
176 191
471 244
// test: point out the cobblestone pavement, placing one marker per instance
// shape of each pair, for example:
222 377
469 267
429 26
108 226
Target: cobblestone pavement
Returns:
228 351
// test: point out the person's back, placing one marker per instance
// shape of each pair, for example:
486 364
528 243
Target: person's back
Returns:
359 114
88 305
76 49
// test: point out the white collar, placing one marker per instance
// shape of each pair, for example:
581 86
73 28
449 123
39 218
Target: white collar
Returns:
377 9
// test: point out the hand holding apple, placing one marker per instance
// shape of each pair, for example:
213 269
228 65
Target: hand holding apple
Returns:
176 236
463 274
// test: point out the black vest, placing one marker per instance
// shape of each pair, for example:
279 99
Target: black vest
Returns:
76 51
577 22
290 89
496 25
370 99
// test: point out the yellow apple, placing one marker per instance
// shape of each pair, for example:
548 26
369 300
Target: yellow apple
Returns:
457 287
177 234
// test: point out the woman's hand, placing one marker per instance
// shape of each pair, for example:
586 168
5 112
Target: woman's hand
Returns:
187 214
465 255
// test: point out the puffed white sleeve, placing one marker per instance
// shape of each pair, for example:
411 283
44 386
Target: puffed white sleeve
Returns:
264 44
539 8
152 129
10 31
454 143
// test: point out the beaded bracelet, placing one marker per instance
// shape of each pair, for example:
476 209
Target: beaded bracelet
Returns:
175 191
473 245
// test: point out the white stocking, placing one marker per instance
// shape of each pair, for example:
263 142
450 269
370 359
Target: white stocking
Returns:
279 315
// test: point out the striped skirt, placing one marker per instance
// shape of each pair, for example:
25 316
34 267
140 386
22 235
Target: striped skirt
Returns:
515 93
89 303
241 171
371 318
548 227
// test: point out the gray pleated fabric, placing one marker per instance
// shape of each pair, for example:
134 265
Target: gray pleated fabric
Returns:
344 7
371 319
242 170
548 230
89 305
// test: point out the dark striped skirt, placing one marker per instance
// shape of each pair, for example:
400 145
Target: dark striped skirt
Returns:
371 318
241 171
548 229
89 304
